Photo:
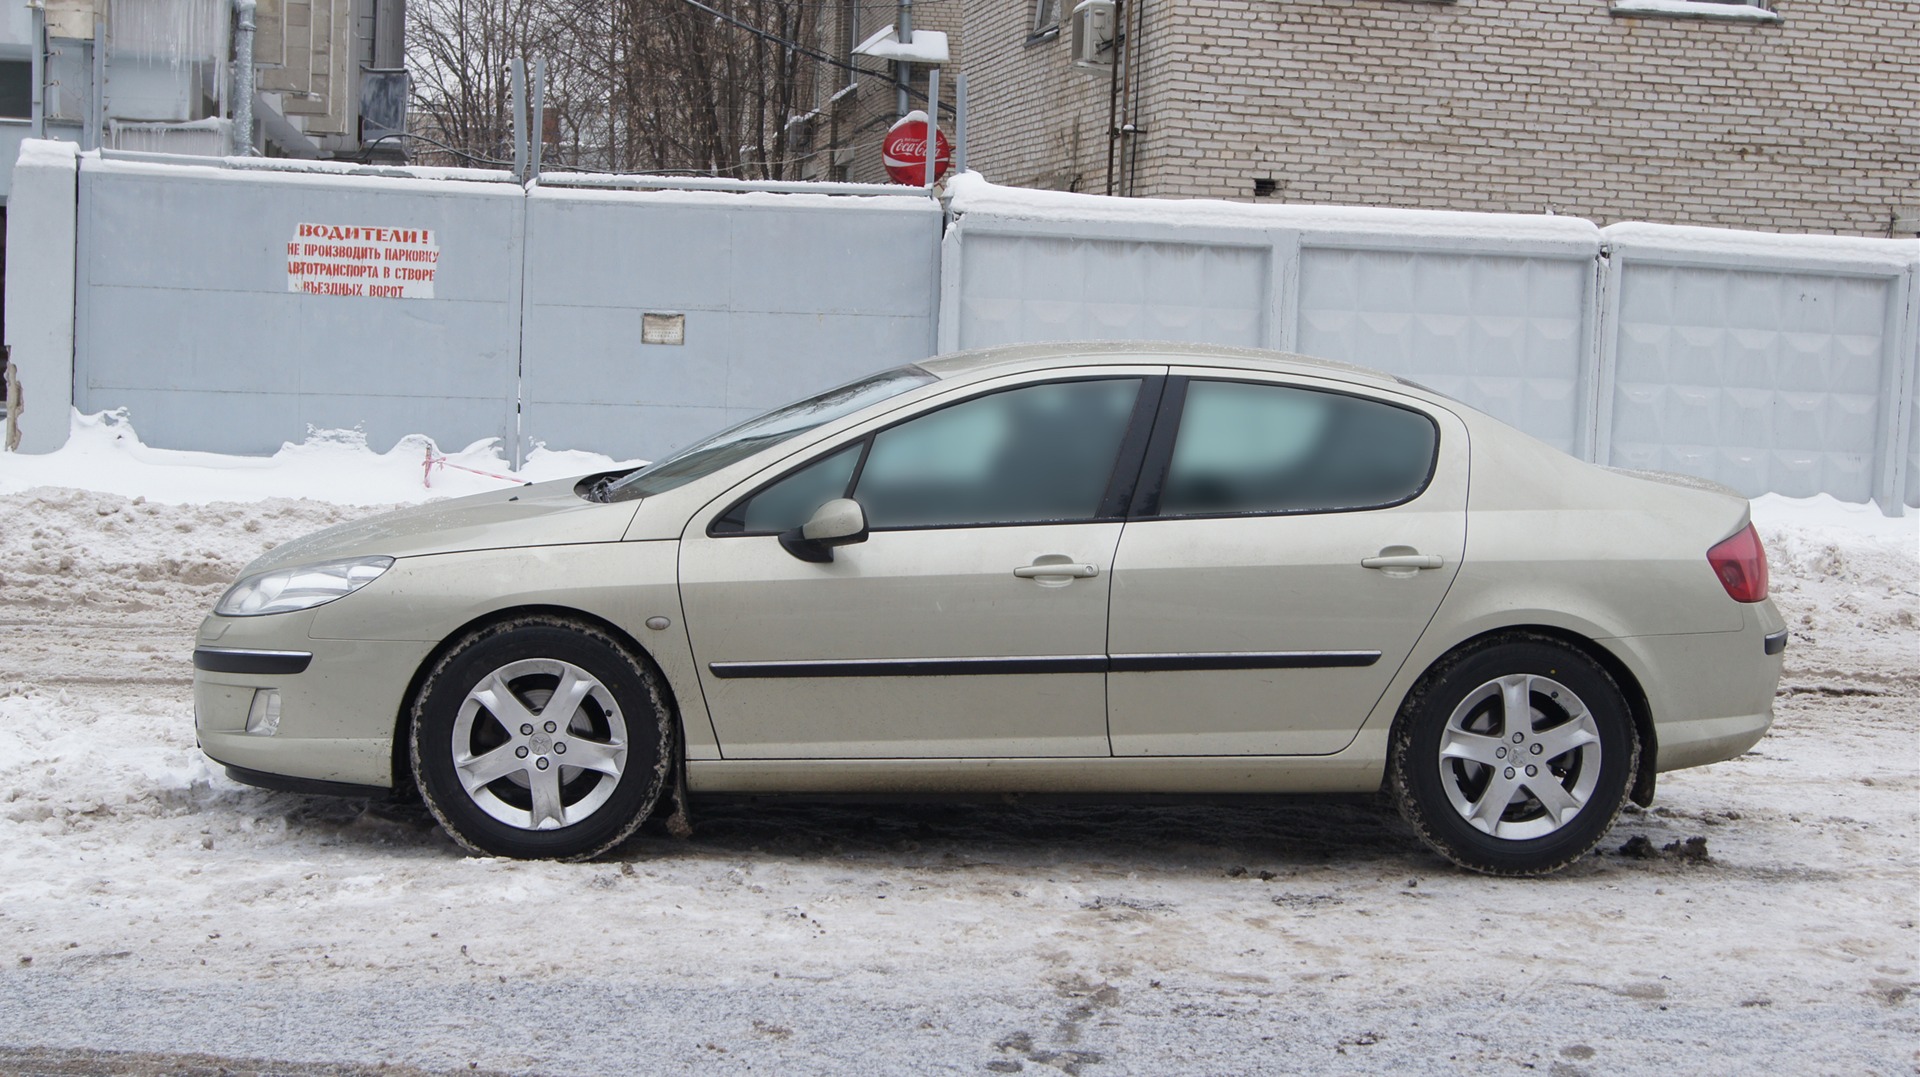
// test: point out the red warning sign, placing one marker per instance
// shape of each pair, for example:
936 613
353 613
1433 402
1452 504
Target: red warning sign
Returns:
357 261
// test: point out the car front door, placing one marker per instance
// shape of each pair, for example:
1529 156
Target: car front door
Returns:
1290 541
970 623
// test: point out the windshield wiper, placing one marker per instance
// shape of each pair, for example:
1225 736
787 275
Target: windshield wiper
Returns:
597 491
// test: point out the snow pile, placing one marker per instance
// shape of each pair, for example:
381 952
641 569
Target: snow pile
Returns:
104 453
1847 576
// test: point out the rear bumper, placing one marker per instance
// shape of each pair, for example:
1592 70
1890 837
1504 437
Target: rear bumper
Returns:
1711 693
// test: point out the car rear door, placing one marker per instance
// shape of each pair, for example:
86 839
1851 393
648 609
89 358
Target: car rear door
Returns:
1289 542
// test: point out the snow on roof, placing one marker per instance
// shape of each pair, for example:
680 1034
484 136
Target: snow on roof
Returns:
927 46
1706 9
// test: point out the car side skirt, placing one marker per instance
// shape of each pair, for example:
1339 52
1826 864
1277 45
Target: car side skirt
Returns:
1343 773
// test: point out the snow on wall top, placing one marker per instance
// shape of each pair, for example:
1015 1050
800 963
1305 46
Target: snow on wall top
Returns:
972 194
280 170
1693 243
47 151
879 199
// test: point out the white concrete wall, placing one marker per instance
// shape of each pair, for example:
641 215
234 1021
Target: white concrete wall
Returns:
40 291
1770 363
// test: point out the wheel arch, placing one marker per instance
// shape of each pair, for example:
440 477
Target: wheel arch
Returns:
399 761
1641 790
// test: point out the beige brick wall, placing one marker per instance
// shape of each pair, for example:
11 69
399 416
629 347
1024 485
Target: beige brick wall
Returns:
1810 125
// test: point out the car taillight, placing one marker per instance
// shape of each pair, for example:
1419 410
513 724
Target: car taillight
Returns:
1741 564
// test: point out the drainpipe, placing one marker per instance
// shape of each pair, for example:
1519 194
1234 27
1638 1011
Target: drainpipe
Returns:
243 78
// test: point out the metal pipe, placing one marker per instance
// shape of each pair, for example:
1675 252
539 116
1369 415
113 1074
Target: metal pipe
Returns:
243 25
933 125
39 114
517 89
94 135
1133 29
538 133
960 123
1113 88
902 70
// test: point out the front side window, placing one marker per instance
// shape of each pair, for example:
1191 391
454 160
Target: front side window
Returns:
1036 454
1244 447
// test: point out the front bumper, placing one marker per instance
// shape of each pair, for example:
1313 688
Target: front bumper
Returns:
338 709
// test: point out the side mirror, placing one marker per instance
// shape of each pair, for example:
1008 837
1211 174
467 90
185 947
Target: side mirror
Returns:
839 522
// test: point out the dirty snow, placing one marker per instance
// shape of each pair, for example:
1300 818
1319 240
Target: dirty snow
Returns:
147 903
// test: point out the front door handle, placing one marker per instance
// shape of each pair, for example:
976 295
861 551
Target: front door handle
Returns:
1402 560
1041 571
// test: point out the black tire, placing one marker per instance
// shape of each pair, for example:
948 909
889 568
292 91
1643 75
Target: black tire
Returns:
619 727
1484 815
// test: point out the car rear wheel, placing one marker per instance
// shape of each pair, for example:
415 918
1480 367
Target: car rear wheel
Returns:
1514 758
540 738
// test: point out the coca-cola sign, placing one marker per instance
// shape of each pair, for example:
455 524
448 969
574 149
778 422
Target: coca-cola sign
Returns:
904 151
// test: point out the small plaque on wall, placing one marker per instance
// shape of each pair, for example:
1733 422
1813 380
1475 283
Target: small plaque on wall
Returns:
663 329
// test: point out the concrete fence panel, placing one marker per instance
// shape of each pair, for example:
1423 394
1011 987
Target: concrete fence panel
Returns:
754 299
1510 333
230 309
1769 363
1032 282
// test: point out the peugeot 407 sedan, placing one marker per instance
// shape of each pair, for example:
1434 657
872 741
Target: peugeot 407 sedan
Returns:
1097 569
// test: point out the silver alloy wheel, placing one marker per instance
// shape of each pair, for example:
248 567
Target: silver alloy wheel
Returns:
539 744
1520 756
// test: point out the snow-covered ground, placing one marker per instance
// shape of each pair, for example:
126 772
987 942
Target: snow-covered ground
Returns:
147 903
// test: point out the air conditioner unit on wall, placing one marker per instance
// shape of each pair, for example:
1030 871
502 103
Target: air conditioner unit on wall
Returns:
1095 32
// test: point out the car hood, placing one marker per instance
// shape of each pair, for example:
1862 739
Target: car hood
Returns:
542 514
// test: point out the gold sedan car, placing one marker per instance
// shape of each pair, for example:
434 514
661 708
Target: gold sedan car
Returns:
1102 568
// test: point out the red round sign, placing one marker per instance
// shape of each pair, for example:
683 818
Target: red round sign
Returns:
905 151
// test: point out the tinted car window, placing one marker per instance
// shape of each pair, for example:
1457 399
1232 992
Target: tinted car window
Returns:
1244 448
1037 453
740 441
791 501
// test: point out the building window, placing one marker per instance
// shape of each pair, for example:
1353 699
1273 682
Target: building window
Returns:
1046 21
1758 11
16 89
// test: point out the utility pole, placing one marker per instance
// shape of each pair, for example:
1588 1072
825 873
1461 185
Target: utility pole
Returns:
902 69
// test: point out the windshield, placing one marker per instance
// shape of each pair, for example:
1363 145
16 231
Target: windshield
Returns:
736 443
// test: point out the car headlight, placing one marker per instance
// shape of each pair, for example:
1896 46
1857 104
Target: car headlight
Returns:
301 587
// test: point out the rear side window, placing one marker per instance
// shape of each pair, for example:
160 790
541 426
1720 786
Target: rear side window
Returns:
1251 448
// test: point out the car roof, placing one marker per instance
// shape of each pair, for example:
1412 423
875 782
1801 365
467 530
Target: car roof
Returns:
1077 353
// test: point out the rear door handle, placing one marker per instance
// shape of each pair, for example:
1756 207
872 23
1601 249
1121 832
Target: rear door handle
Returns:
1077 571
1402 560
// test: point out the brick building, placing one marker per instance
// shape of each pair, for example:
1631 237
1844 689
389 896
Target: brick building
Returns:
1789 115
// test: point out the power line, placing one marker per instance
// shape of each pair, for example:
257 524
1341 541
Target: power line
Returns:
804 50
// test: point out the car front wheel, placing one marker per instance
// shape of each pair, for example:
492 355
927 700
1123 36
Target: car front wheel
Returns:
1514 758
540 738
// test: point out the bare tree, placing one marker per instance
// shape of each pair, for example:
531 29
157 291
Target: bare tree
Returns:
633 85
